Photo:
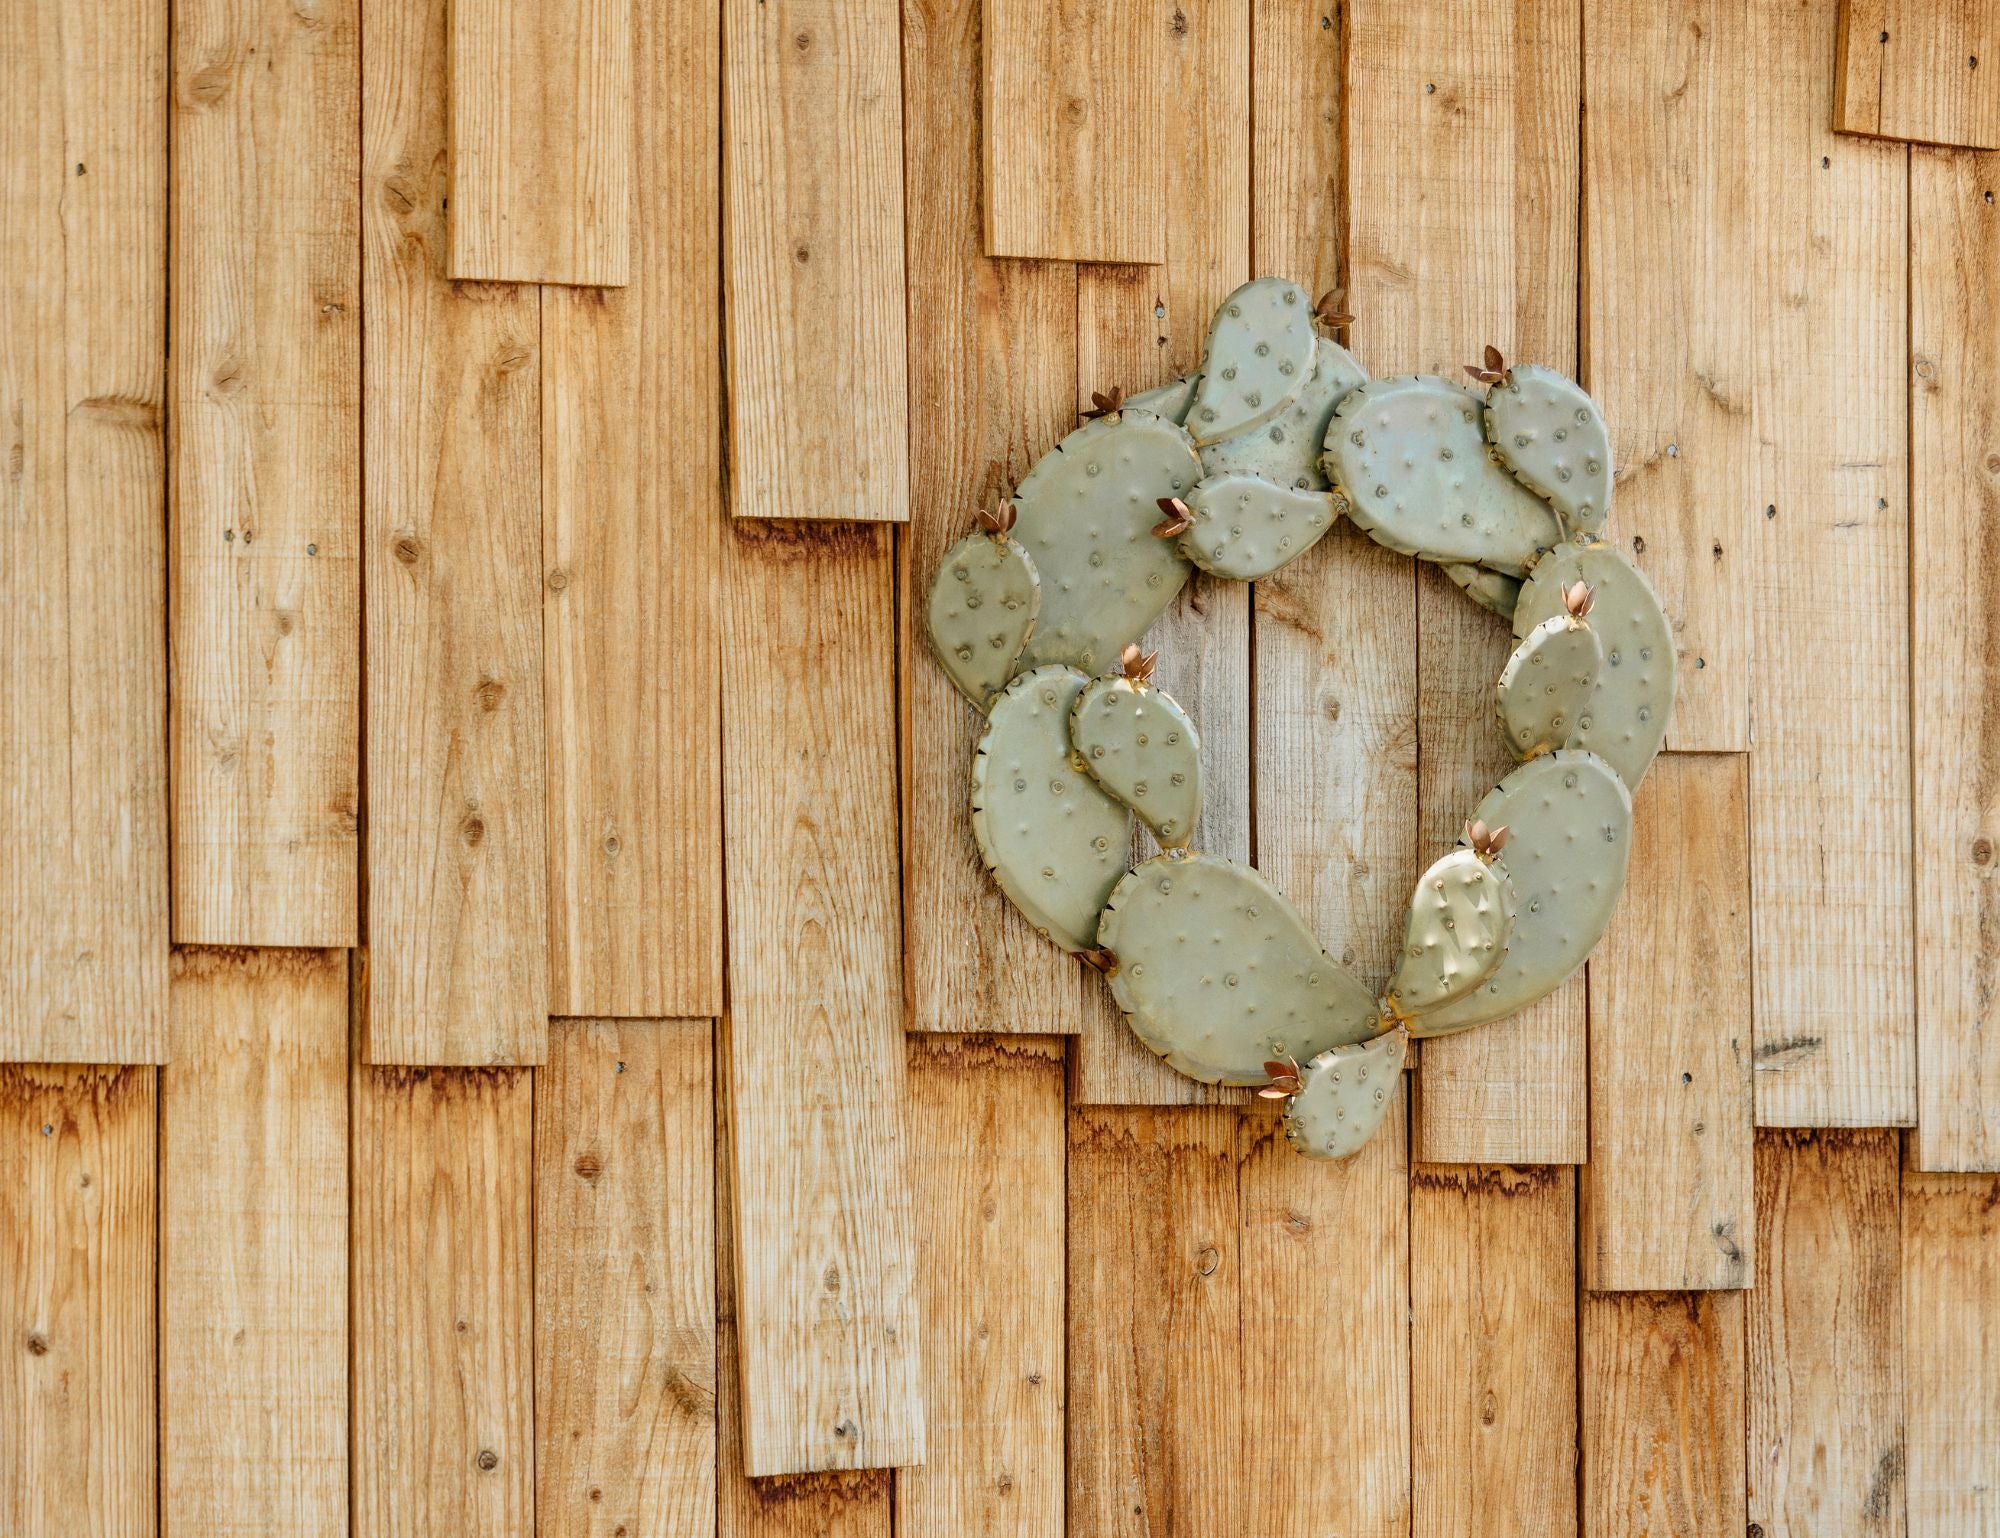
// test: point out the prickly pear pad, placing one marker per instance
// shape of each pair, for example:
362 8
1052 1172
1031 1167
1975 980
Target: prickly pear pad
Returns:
1545 688
1139 744
1245 527
1461 918
982 611
1344 1096
1285 450
1260 351
1551 435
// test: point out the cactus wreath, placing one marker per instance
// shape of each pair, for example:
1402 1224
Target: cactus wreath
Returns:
1036 618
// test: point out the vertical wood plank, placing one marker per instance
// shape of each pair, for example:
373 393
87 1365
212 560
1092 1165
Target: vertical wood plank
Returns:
541 141
1667 113
1954 402
625 1280
826 1309
253 1246
457 863
1663 1419
442 1240
1916 69
1826 1338
631 601
77 1206
987 1117
813 259
1668 1195
1478 245
1951 1297
266 443
1138 327
993 359
1325 1304
1154 1352
1493 1350
1077 128
1830 789
83 794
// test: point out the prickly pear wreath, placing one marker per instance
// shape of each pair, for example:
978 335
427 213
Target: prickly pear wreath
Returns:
1036 617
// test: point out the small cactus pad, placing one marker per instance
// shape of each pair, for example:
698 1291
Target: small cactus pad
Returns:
1260 350
1569 820
1411 458
1546 686
982 611
1086 515
1053 840
1219 973
1488 589
1286 449
1245 527
1461 918
1139 744
1552 436
1344 1095
1626 720
1171 400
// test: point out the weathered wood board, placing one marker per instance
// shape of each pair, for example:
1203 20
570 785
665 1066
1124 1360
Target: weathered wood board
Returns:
1917 69
1951 1350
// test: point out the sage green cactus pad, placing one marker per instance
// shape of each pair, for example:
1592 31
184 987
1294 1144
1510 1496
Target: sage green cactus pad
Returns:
1552 436
1171 400
1218 973
1489 589
1286 449
1260 351
1569 819
1461 919
983 604
1053 839
1245 527
1139 744
1626 720
1345 1094
1546 687
1410 456
1085 516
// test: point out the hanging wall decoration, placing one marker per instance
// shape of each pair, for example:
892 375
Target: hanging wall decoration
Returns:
1239 469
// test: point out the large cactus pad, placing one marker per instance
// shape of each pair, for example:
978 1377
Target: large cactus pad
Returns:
1260 351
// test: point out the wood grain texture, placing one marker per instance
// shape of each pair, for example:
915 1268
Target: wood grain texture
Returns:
1661 1386
1830 843
632 527
1138 327
625 1280
457 862
78 1199
1951 1296
1324 1305
1955 690
1155 1412
1667 111
83 775
541 141
1077 126
986 1118
1668 1196
826 1306
1826 1452
265 521
1917 69
443 1244
253 1246
1463 175
1493 1349
813 259
993 359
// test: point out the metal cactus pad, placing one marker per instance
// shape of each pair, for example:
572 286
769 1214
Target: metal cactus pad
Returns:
1240 468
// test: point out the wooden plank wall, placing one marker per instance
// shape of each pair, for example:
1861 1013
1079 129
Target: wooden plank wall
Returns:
598 1091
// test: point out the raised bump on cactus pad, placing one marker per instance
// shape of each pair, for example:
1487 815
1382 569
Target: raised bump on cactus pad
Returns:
1545 689
1569 822
1055 842
1086 515
1218 973
1141 746
1286 449
982 610
1410 457
1551 435
1260 351
1345 1093
1461 920
1244 527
